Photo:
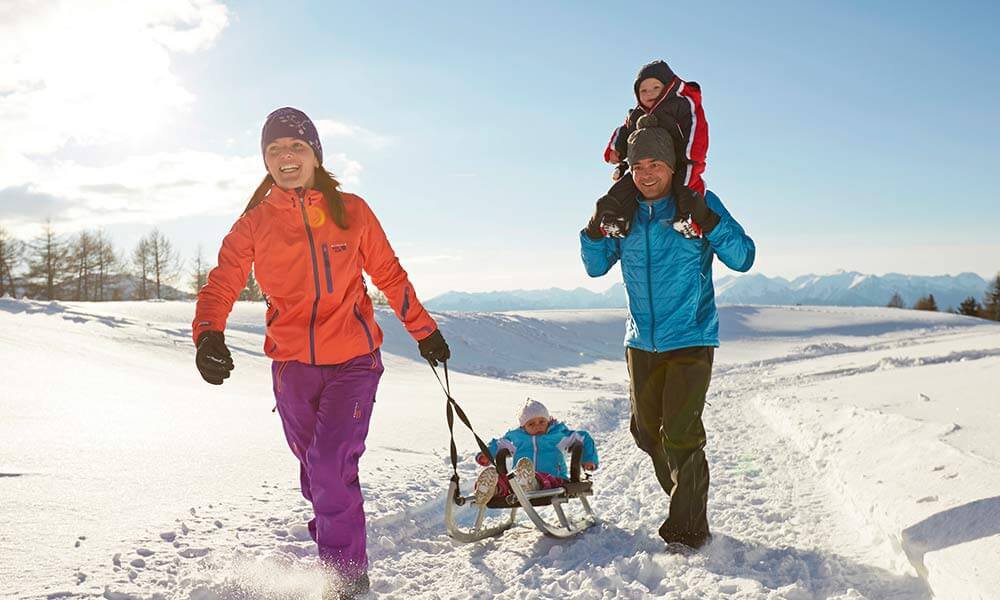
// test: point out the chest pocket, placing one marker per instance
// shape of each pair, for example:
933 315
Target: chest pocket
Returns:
339 263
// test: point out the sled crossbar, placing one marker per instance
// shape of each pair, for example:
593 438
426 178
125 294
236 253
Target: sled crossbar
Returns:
545 497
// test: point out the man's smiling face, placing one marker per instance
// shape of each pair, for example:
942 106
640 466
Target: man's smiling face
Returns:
652 177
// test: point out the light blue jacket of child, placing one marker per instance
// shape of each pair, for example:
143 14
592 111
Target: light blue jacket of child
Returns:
546 450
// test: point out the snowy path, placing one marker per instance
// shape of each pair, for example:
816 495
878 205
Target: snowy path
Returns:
774 530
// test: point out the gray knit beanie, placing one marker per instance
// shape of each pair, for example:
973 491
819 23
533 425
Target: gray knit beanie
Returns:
651 142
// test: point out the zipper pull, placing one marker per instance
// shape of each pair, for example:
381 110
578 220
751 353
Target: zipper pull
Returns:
302 195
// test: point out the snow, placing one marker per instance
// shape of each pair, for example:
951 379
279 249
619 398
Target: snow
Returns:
851 449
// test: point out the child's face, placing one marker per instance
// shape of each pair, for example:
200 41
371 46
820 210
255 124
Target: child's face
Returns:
649 91
536 426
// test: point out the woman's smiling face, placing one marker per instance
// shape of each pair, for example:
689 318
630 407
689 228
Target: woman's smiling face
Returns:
291 162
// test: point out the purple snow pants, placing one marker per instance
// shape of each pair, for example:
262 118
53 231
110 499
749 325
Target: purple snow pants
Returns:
325 412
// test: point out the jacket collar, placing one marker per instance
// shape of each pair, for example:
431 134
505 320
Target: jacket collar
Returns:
281 198
659 206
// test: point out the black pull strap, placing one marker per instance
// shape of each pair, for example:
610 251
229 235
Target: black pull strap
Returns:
451 409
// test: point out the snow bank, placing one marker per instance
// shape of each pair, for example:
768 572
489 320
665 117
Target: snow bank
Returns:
904 431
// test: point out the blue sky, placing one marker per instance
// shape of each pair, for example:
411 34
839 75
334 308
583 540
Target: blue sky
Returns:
849 135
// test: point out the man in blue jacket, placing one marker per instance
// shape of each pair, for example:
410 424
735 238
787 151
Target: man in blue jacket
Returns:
672 326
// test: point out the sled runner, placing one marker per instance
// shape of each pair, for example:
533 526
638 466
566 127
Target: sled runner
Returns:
577 489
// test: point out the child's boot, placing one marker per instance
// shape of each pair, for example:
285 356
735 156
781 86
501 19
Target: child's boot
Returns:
524 475
486 485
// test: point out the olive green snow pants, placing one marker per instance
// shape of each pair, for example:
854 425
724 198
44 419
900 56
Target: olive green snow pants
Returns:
668 397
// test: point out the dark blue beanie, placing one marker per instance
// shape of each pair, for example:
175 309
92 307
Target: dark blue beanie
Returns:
293 123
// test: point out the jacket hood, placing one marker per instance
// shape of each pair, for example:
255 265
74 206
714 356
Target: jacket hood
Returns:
658 70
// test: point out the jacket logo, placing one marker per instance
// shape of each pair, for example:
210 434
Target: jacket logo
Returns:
316 216
338 247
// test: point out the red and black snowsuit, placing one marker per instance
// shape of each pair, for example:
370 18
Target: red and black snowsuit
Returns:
678 110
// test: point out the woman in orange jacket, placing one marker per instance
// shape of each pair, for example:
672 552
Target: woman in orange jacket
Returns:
307 243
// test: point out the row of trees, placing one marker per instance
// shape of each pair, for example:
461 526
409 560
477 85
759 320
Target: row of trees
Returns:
88 267
989 308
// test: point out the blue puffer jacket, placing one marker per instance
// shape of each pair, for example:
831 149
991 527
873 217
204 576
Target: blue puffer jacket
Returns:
546 450
668 278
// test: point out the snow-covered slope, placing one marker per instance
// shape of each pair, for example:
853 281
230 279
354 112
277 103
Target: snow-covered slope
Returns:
852 456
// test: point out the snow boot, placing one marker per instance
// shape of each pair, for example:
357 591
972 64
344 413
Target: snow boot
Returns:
524 475
486 486
347 589
678 540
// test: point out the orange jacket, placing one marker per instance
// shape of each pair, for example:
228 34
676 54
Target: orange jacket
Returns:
310 270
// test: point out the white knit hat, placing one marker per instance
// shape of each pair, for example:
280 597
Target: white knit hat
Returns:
532 409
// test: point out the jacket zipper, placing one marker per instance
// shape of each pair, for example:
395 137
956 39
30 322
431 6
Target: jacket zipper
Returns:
368 333
697 298
273 317
649 282
326 267
534 444
315 263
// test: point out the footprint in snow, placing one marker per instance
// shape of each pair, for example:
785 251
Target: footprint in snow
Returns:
194 552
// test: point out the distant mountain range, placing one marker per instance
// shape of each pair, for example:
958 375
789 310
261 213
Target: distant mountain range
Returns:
841 288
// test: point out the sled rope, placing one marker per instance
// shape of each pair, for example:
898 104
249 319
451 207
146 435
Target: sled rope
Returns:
451 408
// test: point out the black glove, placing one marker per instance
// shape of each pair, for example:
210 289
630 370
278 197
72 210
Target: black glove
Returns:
433 348
691 206
612 218
213 359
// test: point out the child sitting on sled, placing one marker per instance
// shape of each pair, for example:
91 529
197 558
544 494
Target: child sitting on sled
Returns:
537 447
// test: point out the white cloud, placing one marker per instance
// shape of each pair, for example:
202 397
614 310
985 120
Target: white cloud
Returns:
328 128
346 170
142 189
97 73
91 72
151 188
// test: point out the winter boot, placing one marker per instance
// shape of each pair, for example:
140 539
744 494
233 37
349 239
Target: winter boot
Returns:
486 486
524 475
347 589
